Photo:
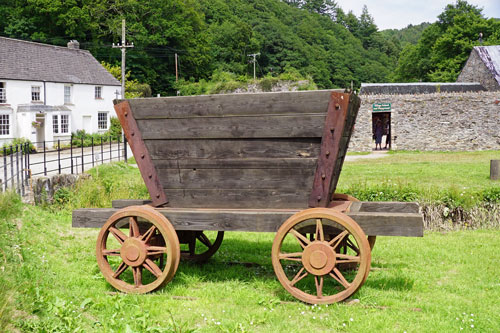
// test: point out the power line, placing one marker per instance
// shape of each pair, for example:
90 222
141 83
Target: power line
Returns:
123 47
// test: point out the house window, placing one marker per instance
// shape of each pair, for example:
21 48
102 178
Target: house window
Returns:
35 93
102 120
55 124
4 124
64 123
67 94
3 93
98 93
60 124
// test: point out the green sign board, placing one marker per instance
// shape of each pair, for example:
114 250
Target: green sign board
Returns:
381 107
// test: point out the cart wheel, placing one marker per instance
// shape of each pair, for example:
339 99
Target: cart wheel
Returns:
347 197
201 245
142 240
309 270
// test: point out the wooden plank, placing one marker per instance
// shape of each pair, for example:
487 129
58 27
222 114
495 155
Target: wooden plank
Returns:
236 148
198 178
379 224
385 207
238 198
231 104
264 126
122 203
238 163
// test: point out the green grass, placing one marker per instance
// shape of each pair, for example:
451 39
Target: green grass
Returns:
416 285
453 178
442 282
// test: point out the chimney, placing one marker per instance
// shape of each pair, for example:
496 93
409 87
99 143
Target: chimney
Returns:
73 44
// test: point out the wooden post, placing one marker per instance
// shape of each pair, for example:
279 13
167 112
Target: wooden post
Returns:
495 169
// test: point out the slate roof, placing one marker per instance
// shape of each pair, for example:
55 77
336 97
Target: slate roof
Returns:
22 60
490 55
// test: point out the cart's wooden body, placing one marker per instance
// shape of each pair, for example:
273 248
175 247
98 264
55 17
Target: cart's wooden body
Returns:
247 162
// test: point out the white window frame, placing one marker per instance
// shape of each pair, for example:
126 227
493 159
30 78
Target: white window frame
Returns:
99 120
98 92
9 128
68 98
36 96
57 125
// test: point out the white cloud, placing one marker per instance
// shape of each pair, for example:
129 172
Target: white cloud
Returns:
394 14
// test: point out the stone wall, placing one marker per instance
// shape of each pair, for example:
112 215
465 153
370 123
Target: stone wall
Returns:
440 121
476 71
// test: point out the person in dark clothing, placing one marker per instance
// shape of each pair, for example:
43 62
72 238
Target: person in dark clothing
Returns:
379 132
387 130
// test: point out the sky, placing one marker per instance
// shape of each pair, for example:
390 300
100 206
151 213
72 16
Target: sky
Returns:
397 14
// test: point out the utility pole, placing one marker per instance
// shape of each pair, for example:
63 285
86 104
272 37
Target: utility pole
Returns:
176 72
254 55
123 46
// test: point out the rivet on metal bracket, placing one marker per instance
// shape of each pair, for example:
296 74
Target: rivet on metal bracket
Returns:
323 176
150 176
319 198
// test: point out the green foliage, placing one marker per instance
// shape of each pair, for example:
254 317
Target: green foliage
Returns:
409 35
133 88
113 134
445 45
313 36
17 141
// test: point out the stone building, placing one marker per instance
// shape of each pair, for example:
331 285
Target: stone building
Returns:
483 66
429 116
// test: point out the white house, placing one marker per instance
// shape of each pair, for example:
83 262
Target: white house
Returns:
47 92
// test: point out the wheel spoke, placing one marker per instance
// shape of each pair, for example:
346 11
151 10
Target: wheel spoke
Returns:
300 238
298 277
120 236
319 230
148 234
352 245
295 256
192 246
347 258
137 276
152 267
121 268
336 241
340 278
204 239
115 252
318 280
133 227
153 250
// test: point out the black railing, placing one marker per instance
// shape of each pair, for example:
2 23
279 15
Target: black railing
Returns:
14 171
76 154
20 162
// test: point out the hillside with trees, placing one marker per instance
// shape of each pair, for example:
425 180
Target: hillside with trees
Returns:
445 45
316 38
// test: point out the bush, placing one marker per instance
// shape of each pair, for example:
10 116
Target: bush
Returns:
18 141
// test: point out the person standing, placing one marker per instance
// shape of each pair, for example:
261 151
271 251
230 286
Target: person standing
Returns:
379 132
387 131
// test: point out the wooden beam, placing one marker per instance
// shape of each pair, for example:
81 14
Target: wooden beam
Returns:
141 153
232 127
231 105
372 223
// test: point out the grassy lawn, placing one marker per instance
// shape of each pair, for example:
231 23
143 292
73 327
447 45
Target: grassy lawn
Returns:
441 282
430 171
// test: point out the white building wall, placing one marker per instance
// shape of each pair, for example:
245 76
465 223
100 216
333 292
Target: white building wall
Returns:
83 106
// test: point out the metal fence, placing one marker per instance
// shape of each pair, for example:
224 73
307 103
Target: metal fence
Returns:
20 162
14 169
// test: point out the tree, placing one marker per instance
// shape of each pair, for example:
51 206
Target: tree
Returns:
133 88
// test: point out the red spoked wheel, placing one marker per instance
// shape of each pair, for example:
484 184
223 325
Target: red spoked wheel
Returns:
138 250
309 268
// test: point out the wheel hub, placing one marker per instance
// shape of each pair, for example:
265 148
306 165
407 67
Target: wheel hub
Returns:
318 258
133 252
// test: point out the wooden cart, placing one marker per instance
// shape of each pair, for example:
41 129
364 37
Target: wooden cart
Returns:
265 162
